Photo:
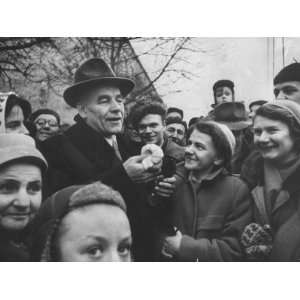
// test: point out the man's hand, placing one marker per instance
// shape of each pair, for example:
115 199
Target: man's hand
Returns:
136 171
172 244
165 186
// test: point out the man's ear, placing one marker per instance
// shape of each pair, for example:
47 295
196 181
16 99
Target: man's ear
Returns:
81 110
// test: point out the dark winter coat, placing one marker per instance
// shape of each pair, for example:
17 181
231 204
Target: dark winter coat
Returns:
81 156
211 216
283 215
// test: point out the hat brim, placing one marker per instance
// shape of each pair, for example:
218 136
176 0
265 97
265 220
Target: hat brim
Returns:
124 84
240 125
18 153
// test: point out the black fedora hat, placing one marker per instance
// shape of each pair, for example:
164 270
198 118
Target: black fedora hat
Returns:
95 71
232 114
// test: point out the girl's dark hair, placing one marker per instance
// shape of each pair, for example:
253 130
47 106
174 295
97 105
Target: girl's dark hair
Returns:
277 113
220 142
14 100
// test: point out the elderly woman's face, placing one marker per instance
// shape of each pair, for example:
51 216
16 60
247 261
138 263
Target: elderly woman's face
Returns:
46 126
273 140
20 195
14 121
95 233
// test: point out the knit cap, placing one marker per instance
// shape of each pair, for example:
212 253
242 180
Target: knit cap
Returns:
228 135
289 73
292 107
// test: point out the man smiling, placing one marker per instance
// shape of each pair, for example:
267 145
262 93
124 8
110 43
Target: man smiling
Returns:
148 117
94 148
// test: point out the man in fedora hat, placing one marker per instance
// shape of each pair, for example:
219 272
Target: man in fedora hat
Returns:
93 149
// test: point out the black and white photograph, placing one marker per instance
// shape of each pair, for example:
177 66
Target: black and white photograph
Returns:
161 134
150 149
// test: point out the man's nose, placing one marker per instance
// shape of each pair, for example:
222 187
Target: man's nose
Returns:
148 129
281 95
116 105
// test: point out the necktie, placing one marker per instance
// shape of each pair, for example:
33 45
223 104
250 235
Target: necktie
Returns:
116 149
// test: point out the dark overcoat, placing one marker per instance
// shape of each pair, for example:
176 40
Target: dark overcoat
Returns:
82 155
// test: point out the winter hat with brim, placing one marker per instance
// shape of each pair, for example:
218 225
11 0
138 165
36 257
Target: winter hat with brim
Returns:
292 107
95 72
57 206
288 73
16 146
232 114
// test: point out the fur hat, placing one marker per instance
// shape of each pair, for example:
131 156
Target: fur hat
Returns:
224 83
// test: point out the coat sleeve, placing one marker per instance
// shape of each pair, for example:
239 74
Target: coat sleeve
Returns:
227 246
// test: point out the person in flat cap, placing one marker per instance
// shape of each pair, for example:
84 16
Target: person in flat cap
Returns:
94 148
223 91
287 83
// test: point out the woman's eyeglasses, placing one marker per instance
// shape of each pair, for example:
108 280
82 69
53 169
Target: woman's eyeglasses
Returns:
43 122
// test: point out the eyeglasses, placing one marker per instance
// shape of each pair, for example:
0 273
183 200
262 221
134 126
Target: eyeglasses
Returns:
43 122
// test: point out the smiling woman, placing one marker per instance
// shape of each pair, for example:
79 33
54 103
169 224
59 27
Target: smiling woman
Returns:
14 111
275 235
21 168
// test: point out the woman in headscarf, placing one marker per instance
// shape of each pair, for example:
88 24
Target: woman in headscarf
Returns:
82 223
14 111
273 174
21 170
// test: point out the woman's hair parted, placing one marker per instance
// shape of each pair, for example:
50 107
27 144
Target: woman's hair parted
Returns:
277 113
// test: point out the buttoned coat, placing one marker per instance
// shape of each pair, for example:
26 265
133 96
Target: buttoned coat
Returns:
283 216
82 155
211 218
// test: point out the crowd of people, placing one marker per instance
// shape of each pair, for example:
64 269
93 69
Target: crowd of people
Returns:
147 185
